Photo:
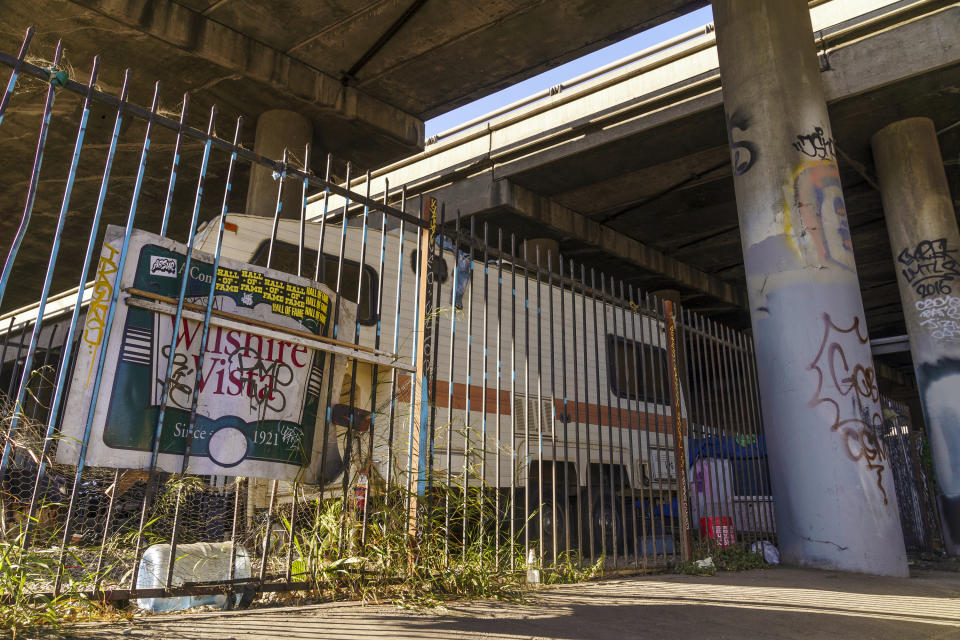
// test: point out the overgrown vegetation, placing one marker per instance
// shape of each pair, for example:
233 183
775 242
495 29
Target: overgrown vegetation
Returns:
461 548
736 557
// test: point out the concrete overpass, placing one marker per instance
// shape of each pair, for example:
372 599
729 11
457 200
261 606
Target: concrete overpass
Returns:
631 172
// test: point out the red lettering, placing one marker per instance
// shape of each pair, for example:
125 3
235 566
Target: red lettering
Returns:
298 348
185 336
233 337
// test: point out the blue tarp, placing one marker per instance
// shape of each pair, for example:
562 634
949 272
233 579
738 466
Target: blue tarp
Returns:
730 447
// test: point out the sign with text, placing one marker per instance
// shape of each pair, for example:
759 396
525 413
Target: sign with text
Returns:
261 391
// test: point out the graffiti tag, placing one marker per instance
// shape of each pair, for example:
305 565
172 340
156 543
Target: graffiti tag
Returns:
815 145
929 267
745 153
100 303
847 386
941 317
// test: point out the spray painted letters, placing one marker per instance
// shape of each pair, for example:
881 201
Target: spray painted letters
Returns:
847 387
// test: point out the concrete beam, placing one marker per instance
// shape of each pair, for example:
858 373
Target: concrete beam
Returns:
318 93
479 194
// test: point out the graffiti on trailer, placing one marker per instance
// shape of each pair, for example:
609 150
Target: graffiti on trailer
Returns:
816 145
847 386
745 153
821 214
929 267
941 317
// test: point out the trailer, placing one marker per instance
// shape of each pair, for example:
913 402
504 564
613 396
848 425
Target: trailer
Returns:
550 389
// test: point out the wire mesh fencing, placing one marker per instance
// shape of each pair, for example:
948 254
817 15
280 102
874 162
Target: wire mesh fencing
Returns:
361 388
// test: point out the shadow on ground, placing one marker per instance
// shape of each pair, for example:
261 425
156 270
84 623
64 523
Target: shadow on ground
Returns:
775 603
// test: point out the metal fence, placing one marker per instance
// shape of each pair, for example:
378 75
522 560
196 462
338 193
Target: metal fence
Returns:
473 396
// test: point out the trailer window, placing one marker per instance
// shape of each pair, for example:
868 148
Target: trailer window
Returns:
633 367
285 259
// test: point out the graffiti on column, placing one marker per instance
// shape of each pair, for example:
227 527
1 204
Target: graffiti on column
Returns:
820 214
941 317
930 267
745 153
847 387
815 145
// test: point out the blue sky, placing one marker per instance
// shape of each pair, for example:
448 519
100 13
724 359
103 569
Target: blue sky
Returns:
569 70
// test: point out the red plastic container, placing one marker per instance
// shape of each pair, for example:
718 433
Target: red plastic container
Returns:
720 530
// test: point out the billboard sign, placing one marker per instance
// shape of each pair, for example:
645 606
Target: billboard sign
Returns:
264 379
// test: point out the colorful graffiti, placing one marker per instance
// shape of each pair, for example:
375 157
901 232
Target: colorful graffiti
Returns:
847 387
929 267
820 215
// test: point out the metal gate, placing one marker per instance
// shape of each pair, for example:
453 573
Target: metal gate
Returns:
477 400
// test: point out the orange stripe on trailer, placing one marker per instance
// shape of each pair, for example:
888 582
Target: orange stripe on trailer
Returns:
576 412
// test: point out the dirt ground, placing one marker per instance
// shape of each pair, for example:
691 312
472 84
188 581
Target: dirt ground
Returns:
772 603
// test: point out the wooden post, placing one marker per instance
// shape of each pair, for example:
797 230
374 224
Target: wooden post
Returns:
679 432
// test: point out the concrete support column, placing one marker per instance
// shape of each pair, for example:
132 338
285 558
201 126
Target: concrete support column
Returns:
277 129
546 245
836 506
924 237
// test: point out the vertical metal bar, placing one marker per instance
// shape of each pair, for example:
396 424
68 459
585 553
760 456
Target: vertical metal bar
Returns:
576 401
611 373
663 371
637 455
16 359
450 382
15 72
485 313
649 355
351 426
267 537
351 419
375 375
625 393
232 575
467 422
586 420
105 339
498 451
557 495
64 370
320 274
328 415
513 402
303 208
51 265
98 575
46 361
396 349
418 383
751 426
597 339
526 401
175 165
279 207
540 417
710 399
34 180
